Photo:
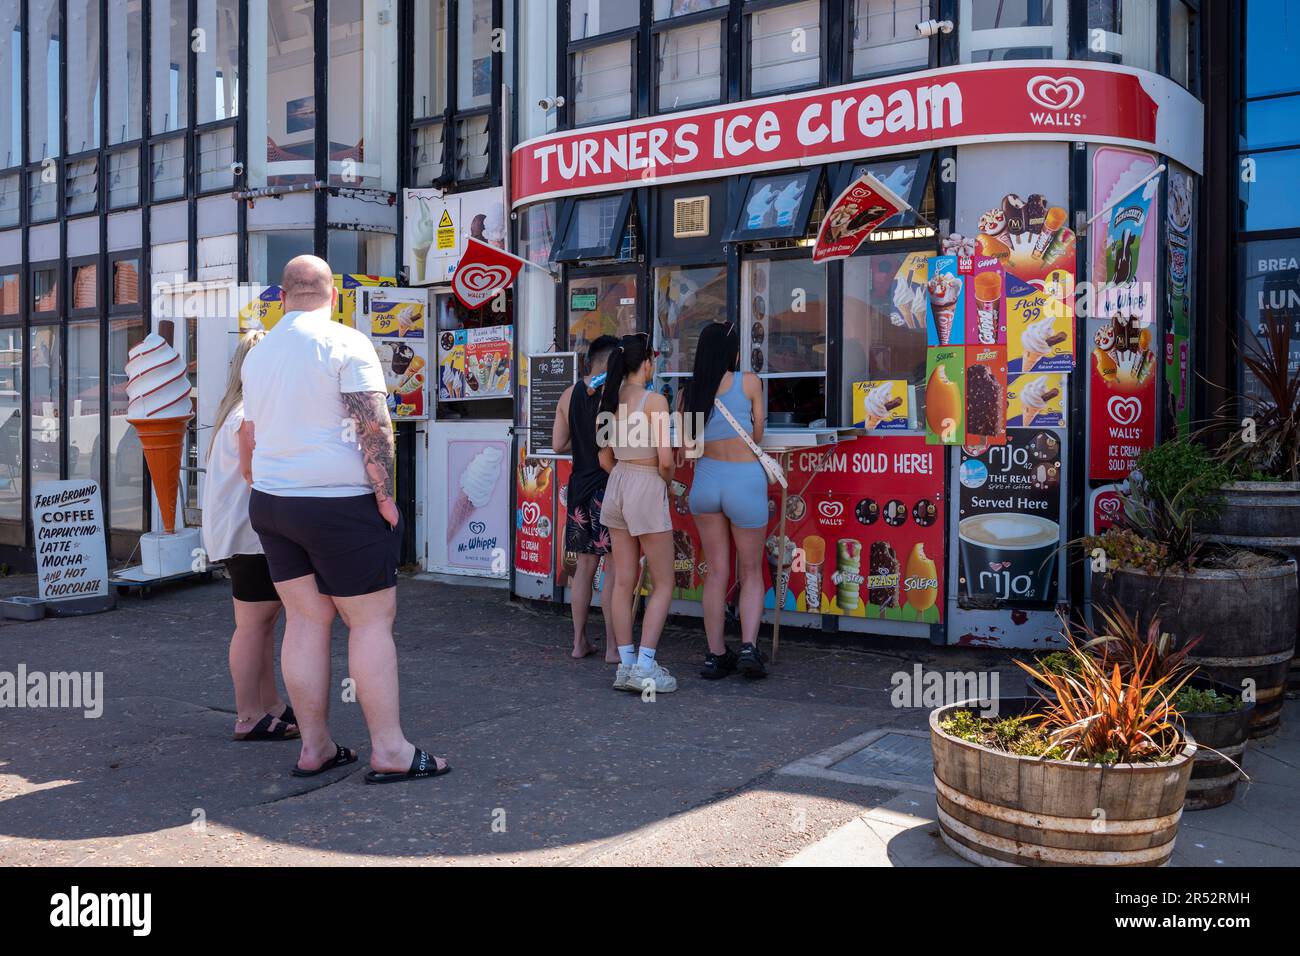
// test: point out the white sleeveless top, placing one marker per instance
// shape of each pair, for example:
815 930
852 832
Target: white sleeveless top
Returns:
226 529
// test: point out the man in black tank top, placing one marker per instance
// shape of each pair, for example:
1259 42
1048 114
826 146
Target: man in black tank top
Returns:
585 536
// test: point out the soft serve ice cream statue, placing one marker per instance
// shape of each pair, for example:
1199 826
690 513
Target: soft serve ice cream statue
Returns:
160 407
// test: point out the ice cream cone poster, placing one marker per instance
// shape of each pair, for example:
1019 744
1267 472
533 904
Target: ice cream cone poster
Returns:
431 245
881 405
451 365
865 537
478 504
534 516
945 302
489 352
689 565
1036 400
392 318
1040 326
910 295
263 311
986 394
945 402
1029 235
986 303
406 373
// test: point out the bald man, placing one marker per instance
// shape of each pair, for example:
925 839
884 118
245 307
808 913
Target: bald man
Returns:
318 450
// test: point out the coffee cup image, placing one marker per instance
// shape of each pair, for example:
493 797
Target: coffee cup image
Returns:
1011 557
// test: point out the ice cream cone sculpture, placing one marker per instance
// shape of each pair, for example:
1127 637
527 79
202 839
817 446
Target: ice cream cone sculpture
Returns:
477 483
160 408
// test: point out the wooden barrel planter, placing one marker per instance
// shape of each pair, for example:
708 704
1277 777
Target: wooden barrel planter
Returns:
1247 619
1214 780
1260 514
1000 809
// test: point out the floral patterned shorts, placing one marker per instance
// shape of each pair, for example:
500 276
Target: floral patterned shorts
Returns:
583 532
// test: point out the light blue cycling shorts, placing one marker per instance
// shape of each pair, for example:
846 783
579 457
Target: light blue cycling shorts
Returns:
737 489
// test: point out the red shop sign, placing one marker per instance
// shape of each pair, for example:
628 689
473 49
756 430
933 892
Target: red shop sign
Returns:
1034 100
1122 425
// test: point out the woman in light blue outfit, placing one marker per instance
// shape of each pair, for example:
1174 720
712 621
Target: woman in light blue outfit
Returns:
729 495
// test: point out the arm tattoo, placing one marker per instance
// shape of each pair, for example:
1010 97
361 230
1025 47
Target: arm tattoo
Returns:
375 436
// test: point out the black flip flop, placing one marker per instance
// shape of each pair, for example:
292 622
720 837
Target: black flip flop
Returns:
341 758
262 730
422 765
288 716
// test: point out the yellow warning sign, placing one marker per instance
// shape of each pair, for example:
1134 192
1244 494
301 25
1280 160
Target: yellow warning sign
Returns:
446 231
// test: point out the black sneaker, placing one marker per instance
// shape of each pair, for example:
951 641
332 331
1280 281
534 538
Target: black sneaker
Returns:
751 662
718 666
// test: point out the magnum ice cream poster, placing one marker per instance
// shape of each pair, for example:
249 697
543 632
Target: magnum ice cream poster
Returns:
1122 358
534 515
478 504
865 537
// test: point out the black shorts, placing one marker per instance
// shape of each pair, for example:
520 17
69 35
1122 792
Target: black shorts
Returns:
250 578
345 542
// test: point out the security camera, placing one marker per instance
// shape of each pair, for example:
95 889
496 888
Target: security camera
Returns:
546 104
929 28
236 168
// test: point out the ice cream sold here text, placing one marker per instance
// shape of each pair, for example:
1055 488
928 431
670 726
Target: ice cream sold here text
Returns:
954 399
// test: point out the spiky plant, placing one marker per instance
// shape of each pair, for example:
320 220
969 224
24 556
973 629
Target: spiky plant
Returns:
1265 443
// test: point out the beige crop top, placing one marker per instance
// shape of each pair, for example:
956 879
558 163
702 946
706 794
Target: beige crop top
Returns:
638 431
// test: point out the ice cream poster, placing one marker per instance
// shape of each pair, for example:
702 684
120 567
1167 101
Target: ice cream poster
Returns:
865 536
488 354
1029 236
688 554
396 319
881 405
945 402
1040 328
986 303
451 365
345 308
1036 400
910 295
478 505
534 516
986 394
263 311
945 302
406 371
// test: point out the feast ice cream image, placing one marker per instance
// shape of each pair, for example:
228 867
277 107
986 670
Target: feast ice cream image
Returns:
159 406
944 290
477 482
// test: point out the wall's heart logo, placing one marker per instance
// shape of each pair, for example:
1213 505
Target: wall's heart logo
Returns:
1125 411
1055 92
830 509
477 527
478 278
1110 506
531 512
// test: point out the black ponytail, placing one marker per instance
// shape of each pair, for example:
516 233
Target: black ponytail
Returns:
633 351
717 352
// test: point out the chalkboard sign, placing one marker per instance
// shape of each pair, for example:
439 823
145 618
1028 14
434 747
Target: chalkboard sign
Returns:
68 521
549 374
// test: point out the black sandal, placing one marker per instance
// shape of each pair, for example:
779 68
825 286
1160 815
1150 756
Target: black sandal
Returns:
422 765
284 730
287 715
342 757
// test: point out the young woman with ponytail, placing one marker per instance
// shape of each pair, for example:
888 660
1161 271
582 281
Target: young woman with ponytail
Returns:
635 445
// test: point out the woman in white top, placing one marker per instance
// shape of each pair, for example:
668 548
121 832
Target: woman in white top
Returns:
228 536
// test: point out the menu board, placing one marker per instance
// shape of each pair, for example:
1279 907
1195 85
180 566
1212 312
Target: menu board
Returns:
549 374
1009 520
68 525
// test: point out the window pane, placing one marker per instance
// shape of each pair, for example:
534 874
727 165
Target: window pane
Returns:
537 232
9 294
85 286
44 403
83 75
473 146
363 81
167 169
1004 14
690 66
126 282
10 200
270 252
42 196
995 30
773 202
168 65
785 47
218 60
216 153
45 290
602 83
686 300
43 106
82 180
900 176
124 178
11 78
125 64
1181 67
1123 31
884 337
885 38
600 305
589 18
787 315
282 102
474 55
536 28
431 71
1267 203
595 221
11 424
428 154
125 459
1272 46
675 8
1269 285
83 400
1274 122
361 253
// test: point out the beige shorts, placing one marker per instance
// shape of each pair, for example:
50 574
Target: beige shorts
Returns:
636 500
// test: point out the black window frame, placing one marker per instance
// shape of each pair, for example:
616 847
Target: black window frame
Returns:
747 49
51 315
125 309
630 36
797 229
566 230
927 161
846 49
91 311
722 15
69 162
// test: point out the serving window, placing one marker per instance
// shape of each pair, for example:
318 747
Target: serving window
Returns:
686 300
909 177
600 304
783 309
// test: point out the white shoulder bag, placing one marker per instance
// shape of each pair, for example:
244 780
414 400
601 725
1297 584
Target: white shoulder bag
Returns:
774 473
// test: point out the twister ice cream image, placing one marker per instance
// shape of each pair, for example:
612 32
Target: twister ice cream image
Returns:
848 575
477 483
814 553
160 407
944 288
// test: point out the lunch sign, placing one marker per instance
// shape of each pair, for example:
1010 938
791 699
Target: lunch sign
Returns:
1032 100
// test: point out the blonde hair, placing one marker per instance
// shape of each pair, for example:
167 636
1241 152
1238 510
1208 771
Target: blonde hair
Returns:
235 383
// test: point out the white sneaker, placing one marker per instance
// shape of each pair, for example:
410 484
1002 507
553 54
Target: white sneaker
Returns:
660 680
621 678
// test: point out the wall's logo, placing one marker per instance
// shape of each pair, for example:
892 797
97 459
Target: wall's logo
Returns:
830 510
1125 411
1055 92
531 512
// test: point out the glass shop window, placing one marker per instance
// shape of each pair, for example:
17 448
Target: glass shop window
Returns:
1123 31
996 30
602 82
11 420
884 38
785 47
590 18
783 302
218 61
83 437
686 300
10 201
125 457
125 70
82 119
45 290
9 295
1182 45
363 86
282 95
775 206
688 65
596 228
169 48
44 391
599 305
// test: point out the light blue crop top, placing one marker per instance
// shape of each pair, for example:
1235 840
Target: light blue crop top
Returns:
741 409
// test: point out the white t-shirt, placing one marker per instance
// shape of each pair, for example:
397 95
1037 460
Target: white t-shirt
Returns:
226 529
294 382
